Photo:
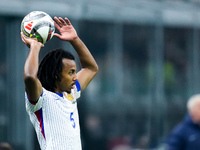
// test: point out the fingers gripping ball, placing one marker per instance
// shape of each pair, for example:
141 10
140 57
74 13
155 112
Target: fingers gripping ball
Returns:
38 24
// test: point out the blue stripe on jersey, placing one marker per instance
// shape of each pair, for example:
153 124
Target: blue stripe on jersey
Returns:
40 111
60 94
78 86
40 119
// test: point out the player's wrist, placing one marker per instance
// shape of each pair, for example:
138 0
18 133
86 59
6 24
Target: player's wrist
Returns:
74 40
36 44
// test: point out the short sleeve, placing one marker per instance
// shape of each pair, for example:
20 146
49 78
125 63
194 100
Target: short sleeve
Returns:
31 106
76 92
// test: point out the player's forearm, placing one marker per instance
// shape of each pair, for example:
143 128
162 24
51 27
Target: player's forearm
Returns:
86 59
32 62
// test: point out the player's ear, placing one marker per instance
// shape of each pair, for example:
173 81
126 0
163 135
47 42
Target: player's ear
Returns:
57 78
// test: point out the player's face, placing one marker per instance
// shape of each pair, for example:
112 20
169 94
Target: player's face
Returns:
68 76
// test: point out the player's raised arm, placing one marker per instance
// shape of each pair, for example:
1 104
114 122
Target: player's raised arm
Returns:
32 84
89 65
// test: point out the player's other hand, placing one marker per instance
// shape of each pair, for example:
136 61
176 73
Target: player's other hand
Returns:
67 31
30 41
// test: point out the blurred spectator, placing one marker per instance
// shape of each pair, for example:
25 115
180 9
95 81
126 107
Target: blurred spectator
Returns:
95 139
5 146
119 143
142 142
186 135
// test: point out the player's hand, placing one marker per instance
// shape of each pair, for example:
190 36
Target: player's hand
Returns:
67 31
30 41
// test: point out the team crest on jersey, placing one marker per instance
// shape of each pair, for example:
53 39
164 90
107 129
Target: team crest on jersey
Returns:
70 97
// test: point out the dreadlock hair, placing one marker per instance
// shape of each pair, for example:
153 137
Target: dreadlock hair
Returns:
51 66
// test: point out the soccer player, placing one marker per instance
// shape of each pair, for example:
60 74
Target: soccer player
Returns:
53 86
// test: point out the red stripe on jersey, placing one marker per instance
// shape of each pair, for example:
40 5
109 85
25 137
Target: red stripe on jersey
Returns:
40 119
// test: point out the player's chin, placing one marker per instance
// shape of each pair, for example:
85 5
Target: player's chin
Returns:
68 90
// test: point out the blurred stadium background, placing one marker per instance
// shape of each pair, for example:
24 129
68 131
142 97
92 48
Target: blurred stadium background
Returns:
148 52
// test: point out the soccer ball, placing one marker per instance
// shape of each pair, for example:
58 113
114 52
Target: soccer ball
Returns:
38 24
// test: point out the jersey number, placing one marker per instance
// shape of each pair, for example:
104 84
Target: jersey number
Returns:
72 119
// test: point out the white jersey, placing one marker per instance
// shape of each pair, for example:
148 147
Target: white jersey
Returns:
55 119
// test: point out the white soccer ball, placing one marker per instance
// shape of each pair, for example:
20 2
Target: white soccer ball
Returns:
38 24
